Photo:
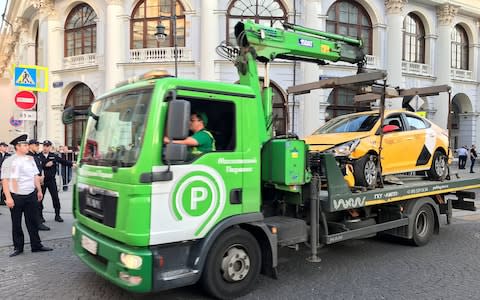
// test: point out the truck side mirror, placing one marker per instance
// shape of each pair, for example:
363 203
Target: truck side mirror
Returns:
178 119
177 128
69 113
176 153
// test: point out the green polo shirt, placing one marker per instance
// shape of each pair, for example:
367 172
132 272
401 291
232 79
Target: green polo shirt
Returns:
205 140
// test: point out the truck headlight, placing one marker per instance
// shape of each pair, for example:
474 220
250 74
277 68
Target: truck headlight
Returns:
345 149
131 261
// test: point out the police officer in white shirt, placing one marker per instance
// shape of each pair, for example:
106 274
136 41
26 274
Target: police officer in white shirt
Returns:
21 185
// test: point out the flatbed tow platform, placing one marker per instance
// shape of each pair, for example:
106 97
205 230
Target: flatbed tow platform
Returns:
395 207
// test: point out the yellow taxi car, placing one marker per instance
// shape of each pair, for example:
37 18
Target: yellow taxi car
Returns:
410 143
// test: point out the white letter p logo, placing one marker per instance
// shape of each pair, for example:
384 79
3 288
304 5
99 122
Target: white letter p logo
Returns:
199 194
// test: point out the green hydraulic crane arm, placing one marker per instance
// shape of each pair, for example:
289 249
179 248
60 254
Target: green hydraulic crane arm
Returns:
261 43
298 43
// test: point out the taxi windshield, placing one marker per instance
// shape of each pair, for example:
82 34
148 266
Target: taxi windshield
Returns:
349 123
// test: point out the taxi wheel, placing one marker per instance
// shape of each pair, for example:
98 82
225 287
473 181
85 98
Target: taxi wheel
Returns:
365 171
439 167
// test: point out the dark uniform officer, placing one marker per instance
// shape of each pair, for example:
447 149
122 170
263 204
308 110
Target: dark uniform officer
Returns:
3 155
49 164
33 145
19 180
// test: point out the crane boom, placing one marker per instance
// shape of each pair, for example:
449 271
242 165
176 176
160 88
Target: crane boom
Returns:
296 42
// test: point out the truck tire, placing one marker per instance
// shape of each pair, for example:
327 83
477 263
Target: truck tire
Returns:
439 167
365 171
233 265
423 225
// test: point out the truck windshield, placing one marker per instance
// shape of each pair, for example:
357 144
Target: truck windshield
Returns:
349 123
115 128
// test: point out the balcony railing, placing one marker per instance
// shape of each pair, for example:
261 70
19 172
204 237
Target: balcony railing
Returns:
460 74
416 68
77 61
159 55
371 61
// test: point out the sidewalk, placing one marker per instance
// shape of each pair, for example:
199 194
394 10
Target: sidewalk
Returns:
57 230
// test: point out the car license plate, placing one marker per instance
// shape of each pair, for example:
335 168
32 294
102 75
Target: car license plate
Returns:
89 244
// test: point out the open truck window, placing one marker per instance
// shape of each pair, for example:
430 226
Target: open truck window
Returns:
221 123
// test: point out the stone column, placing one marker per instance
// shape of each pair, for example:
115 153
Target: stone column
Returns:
467 128
310 103
51 41
445 15
209 39
395 45
114 44
430 46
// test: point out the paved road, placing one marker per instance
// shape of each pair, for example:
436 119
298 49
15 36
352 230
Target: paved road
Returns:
446 268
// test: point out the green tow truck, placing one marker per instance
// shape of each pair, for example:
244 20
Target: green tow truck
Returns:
150 216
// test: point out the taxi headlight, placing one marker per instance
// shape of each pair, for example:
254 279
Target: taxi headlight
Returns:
131 261
345 149
74 230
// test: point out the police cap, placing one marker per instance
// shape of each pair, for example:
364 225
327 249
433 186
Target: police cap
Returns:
19 140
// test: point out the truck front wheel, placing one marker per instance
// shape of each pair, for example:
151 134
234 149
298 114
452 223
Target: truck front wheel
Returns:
423 225
232 266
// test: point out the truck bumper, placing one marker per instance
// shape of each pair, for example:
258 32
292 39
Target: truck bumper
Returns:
163 267
103 256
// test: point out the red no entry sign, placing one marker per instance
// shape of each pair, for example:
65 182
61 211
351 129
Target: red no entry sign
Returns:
25 100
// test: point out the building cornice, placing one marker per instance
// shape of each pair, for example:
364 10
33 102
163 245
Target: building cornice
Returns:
395 6
446 13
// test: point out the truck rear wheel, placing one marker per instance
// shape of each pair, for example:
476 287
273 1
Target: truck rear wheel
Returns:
233 265
423 225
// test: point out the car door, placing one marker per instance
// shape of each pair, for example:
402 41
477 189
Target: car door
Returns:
421 142
394 146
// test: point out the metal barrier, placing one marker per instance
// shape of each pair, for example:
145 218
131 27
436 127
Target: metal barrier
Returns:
65 174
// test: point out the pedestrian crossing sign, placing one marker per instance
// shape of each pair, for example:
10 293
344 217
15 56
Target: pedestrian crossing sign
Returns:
31 78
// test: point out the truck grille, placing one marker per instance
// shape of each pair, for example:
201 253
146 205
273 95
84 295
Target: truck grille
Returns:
98 204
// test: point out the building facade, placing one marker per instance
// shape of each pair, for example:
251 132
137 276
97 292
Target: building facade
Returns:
91 45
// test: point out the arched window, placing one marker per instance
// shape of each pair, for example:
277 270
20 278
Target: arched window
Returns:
341 103
459 48
351 19
148 14
270 13
80 97
413 39
81 31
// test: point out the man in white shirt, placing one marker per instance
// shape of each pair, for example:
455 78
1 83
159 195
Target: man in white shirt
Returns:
462 157
21 185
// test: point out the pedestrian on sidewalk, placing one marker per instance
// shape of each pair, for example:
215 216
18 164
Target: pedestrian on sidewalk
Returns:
65 170
33 147
20 178
462 156
473 157
49 164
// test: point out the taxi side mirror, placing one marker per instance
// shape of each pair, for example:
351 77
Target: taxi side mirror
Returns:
390 128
